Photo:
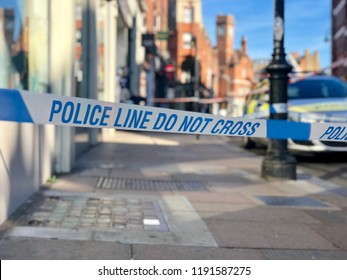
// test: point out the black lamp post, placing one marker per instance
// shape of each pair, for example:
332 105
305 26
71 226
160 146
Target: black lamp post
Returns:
277 162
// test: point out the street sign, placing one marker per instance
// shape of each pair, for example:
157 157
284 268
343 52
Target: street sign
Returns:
163 36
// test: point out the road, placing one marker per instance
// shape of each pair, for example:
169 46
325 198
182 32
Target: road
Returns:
328 166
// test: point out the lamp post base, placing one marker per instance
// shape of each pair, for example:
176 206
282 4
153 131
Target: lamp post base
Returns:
279 168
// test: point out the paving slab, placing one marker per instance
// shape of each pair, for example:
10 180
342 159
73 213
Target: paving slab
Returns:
43 249
211 178
220 208
221 221
333 199
155 252
335 233
329 217
218 198
170 220
267 214
51 233
126 173
304 255
298 188
75 183
246 234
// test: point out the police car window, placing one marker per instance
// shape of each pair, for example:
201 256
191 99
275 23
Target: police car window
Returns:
293 92
324 88
325 91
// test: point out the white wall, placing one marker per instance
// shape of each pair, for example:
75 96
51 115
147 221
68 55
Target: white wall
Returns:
26 153
61 69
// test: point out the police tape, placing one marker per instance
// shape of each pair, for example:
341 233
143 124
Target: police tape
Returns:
27 107
193 100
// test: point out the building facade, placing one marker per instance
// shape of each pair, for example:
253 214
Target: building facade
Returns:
30 154
41 51
235 66
339 38
157 23
189 41
305 63
259 68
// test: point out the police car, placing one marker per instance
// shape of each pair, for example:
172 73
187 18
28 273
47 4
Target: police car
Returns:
312 99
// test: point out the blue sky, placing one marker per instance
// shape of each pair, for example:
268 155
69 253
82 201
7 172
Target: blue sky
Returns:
307 23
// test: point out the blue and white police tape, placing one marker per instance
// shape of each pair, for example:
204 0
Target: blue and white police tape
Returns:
278 108
23 106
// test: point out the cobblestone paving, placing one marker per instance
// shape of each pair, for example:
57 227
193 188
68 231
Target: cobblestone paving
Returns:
92 212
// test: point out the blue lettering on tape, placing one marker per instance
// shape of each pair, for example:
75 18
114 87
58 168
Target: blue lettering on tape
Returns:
253 129
207 121
171 122
193 124
245 128
187 121
134 119
87 114
160 121
57 106
236 128
105 115
71 111
145 120
117 121
335 133
136 116
94 119
68 112
216 128
78 109
196 124
240 128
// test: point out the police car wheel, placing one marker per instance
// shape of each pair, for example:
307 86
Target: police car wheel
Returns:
247 143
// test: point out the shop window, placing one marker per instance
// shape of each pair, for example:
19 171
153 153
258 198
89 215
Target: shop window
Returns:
221 30
188 15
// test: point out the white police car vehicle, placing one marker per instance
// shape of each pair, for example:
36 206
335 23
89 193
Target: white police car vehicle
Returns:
311 99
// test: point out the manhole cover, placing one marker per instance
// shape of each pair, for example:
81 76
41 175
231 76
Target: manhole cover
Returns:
291 201
96 212
150 185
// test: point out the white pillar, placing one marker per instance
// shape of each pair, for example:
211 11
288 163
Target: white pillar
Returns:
110 55
61 68
90 57
110 40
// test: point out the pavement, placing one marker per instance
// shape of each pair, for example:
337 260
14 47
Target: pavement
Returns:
168 196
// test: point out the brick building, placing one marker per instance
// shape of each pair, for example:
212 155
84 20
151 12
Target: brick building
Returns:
235 66
339 38
305 63
259 65
188 39
157 23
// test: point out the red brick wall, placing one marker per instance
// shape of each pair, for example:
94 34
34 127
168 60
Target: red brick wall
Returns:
240 83
159 8
225 44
